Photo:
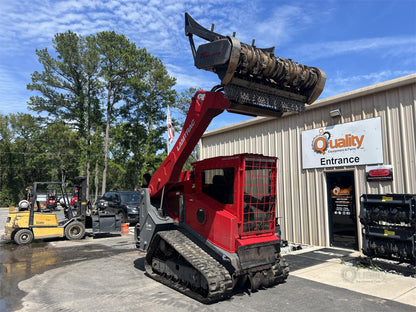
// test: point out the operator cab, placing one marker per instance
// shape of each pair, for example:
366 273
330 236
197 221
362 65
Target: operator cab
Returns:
236 195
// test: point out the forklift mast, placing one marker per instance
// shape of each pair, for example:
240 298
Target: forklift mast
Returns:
34 203
82 204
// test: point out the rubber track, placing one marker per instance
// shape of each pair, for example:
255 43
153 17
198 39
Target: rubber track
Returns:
217 276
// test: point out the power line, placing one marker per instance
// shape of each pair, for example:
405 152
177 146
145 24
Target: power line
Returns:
37 153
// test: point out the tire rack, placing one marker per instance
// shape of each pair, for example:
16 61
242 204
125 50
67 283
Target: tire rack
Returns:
389 226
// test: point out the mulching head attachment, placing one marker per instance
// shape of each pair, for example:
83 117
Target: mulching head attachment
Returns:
254 80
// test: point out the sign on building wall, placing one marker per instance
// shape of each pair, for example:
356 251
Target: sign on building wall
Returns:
379 173
349 144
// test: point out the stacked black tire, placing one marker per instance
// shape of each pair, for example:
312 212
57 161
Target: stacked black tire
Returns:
389 226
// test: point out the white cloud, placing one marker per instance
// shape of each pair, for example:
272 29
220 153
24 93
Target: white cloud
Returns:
12 97
186 79
381 44
158 26
343 82
279 26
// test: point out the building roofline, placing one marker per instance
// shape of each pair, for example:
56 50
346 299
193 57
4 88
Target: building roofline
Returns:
379 87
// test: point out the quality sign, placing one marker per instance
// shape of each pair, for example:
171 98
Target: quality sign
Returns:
349 144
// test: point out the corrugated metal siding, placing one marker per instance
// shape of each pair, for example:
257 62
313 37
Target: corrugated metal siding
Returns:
302 194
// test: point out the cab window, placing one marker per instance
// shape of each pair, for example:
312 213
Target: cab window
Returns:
219 184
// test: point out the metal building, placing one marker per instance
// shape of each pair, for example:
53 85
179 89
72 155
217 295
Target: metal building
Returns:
359 142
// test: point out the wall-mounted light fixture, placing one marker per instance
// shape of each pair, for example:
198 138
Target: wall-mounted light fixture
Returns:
335 113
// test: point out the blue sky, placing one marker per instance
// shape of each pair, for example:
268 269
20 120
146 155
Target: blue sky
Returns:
356 42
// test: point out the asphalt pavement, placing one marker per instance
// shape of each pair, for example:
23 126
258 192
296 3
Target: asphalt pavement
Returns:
106 273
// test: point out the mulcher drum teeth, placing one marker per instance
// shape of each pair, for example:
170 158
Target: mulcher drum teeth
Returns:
258 82
251 102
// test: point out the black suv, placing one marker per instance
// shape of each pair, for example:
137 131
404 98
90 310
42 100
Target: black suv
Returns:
125 203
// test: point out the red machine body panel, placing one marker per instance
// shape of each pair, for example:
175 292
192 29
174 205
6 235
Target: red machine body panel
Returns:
217 225
229 200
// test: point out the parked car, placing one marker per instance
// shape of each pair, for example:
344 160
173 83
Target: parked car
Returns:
125 203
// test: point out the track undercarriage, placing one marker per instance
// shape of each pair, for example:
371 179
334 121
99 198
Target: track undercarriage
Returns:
176 261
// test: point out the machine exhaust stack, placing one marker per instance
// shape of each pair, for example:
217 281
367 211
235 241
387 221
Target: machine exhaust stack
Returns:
255 81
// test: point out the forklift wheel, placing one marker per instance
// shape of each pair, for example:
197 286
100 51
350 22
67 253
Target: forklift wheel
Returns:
75 230
23 237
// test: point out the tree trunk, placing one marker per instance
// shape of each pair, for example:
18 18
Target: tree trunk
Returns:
107 140
63 176
96 182
88 137
136 174
88 178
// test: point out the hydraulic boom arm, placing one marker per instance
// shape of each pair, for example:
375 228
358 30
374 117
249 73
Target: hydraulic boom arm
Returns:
254 81
204 107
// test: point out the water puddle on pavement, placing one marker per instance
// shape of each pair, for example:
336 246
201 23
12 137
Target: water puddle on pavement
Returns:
18 263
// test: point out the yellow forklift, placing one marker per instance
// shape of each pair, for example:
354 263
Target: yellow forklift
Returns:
31 221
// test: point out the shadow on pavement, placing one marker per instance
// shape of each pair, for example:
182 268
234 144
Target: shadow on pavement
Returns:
317 256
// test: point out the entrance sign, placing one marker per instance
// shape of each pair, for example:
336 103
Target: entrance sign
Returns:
349 144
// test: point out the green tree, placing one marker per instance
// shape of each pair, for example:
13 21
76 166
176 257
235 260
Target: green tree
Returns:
145 116
22 155
114 95
120 61
93 112
68 87
62 150
62 82
6 163
27 145
182 104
